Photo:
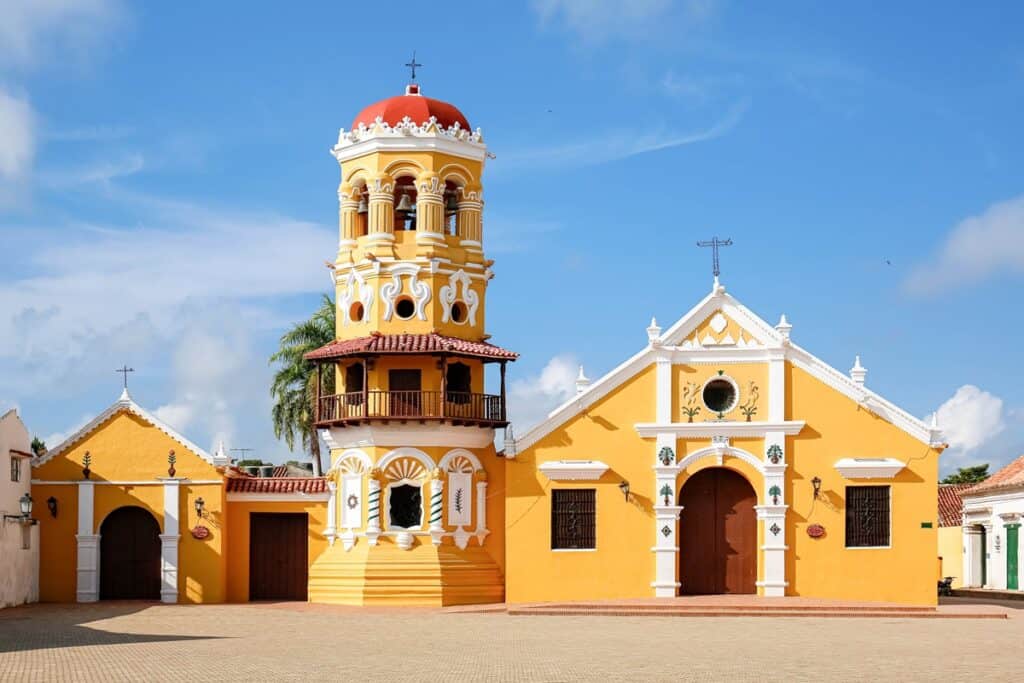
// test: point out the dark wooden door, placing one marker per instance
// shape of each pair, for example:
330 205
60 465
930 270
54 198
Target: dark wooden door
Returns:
130 555
278 556
718 534
405 387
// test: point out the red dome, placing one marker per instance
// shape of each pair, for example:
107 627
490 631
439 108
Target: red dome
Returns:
414 105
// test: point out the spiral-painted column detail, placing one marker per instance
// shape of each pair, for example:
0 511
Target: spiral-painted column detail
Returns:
436 505
373 510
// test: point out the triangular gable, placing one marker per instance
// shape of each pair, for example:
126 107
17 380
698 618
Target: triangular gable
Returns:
126 404
762 335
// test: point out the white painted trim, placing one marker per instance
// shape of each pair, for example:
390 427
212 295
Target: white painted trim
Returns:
294 497
409 144
735 393
152 482
365 436
869 468
123 404
573 470
456 452
407 452
650 430
718 451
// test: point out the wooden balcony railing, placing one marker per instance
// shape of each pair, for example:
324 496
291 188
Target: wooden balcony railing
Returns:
458 407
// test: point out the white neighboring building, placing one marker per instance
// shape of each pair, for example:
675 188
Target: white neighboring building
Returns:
992 512
19 540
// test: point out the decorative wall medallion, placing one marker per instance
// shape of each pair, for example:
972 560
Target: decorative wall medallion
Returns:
449 294
815 531
352 501
775 492
667 456
200 532
86 463
666 494
720 442
666 531
775 453
171 459
775 529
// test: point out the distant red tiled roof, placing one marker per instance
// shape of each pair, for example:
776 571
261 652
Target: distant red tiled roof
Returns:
1010 476
950 504
277 485
410 343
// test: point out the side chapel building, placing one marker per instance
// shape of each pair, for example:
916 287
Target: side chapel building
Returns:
721 458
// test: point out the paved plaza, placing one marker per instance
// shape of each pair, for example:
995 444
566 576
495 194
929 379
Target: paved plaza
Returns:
263 642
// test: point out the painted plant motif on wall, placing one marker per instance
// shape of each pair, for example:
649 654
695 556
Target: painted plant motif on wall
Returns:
691 392
749 407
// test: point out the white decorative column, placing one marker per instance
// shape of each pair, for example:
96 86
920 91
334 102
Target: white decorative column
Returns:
666 517
481 508
332 512
373 510
436 509
663 383
169 541
88 588
772 513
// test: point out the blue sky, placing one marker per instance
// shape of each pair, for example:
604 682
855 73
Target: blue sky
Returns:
167 199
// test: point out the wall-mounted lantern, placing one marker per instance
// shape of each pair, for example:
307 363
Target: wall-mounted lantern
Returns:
816 483
25 504
624 487
200 507
51 504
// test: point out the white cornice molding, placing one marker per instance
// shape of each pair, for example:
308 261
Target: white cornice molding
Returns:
407 136
124 404
573 470
869 468
650 430
295 497
141 482
362 436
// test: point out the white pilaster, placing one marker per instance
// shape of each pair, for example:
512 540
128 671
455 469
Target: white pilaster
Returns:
663 388
332 512
169 541
436 510
373 511
481 512
772 513
776 385
88 563
666 549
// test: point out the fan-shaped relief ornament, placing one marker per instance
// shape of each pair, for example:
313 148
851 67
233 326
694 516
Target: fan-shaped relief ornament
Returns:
405 469
460 463
352 465
348 297
449 295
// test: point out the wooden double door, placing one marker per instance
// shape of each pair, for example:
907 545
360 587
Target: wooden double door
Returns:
718 534
130 555
278 556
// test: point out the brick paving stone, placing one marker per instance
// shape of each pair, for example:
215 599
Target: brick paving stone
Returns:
298 642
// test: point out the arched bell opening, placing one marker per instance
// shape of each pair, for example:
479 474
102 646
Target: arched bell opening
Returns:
405 203
452 194
362 216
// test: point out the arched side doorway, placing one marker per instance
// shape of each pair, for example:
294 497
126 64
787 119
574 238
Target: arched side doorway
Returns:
717 534
130 555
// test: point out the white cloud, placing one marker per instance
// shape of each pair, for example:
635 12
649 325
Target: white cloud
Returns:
970 419
530 399
31 29
614 145
977 248
17 141
595 21
98 173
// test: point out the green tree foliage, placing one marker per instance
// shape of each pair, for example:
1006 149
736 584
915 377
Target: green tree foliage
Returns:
968 475
38 446
294 384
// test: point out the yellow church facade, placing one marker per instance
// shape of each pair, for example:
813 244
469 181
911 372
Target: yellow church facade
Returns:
721 458
724 458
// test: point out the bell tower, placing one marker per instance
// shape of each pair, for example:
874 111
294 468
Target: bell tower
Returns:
402 400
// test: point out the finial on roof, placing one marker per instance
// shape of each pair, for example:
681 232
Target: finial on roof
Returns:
783 327
653 332
125 396
582 382
858 372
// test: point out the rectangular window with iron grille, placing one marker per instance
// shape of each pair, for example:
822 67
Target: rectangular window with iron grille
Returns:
867 516
15 468
573 519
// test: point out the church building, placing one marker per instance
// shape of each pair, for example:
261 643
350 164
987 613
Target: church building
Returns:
721 458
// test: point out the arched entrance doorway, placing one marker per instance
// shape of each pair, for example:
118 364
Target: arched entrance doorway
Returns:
130 555
717 534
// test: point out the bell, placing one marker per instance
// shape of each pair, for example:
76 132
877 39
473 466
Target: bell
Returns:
363 206
451 205
405 204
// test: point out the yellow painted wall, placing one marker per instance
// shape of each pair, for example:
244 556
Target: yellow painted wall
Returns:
951 552
126 448
238 545
622 565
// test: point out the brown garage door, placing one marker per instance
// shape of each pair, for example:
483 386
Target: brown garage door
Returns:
278 557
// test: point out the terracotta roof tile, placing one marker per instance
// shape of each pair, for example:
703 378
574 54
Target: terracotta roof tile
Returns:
277 485
1010 476
950 504
410 343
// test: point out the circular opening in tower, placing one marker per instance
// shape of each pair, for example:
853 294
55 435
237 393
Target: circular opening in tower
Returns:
405 308
355 313
720 395
458 312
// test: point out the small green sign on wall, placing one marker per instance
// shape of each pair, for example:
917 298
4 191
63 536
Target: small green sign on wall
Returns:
926 525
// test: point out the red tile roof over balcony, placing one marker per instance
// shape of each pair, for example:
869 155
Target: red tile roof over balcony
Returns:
277 485
410 343
1011 476
950 504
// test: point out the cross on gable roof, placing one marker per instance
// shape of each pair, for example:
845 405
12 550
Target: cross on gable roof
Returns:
125 404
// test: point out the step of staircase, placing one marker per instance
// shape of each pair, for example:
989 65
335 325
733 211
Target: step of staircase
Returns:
856 612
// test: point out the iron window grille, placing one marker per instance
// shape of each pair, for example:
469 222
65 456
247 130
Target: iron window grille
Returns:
867 516
573 519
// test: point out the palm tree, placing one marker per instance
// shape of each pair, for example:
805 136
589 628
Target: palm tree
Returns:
294 385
